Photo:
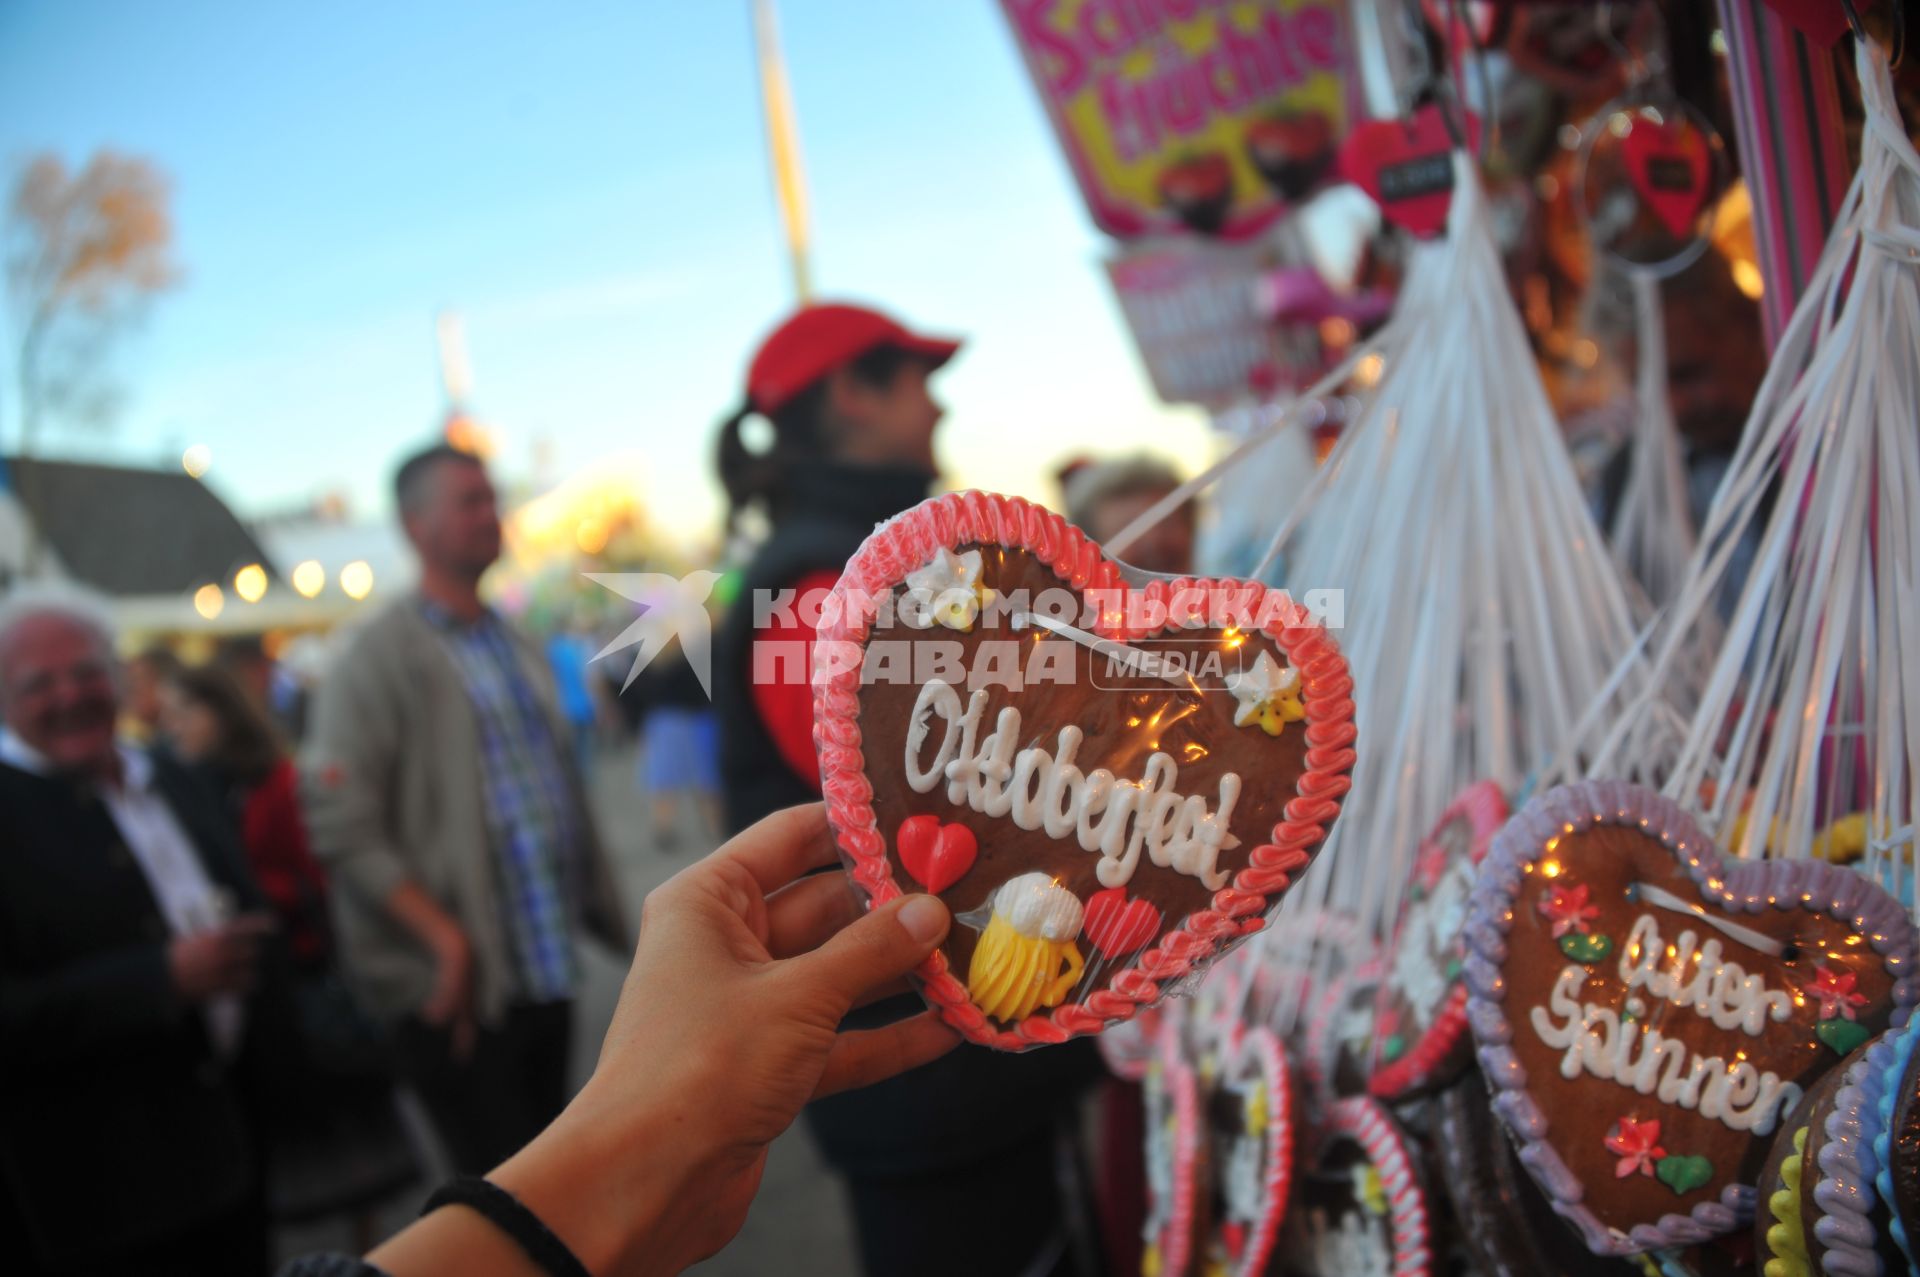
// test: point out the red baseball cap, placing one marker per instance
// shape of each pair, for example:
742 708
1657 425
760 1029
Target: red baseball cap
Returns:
815 340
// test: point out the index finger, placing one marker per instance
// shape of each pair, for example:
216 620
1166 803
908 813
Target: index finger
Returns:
783 846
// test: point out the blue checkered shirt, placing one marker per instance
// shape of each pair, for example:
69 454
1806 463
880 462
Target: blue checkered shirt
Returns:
532 822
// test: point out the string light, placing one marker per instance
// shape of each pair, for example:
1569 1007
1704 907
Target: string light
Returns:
356 580
309 578
250 583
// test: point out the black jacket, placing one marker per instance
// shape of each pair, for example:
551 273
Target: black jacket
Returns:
119 1122
822 518
966 1106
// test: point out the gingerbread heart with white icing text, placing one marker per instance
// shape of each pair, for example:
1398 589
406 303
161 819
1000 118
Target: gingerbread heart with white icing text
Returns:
1648 1013
1144 771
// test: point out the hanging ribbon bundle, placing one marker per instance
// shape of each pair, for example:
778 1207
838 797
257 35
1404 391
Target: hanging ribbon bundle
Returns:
1480 599
1804 739
1652 528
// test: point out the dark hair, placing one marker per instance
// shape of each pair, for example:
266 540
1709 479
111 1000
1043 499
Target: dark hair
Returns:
249 747
800 433
412 475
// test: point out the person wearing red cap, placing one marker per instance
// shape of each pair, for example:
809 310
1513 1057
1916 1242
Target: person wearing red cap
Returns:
977 1135
845 389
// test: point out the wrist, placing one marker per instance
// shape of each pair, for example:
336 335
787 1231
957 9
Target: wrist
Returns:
447 942
615 1182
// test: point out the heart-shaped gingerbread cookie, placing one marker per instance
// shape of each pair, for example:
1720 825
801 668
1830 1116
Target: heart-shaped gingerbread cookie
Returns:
1420 1017
1251 1118
1648 1013
982 663
1359 1204
1178 1190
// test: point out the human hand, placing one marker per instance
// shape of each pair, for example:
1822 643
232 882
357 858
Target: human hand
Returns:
450 1004
223 959
728 1023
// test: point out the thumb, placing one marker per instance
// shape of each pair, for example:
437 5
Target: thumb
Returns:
884 945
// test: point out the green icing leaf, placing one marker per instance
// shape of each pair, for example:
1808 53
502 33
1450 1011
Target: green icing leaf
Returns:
1683 1174
1841 1035
1394 1047
1589 948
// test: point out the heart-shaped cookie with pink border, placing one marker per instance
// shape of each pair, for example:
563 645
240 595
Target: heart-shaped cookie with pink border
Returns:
1420 1019
1648 1013
1142 771
1251 1117
1359 1204
1177 1162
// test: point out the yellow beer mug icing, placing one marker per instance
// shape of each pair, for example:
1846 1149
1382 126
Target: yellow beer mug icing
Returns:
1026 957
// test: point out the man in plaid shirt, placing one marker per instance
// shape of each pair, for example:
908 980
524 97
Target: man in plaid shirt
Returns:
441 791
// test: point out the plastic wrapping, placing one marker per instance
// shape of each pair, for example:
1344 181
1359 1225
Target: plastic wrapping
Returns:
1109 786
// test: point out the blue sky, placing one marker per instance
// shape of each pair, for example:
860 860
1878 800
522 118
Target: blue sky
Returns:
586 184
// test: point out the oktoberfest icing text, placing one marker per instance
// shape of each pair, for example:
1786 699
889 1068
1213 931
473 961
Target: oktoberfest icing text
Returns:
1042 790
1636 1054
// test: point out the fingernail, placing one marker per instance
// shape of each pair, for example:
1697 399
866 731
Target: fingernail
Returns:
923 917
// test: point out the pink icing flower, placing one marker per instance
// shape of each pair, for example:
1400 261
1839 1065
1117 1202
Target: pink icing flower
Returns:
1568 908
1836 992
1637 1144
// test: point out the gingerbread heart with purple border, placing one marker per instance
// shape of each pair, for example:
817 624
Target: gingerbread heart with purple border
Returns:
1229 783
1647 1012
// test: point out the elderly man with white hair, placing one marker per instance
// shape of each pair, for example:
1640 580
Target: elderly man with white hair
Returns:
129 946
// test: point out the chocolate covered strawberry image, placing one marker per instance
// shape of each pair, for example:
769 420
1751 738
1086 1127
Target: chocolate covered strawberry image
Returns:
1293 150
1199 190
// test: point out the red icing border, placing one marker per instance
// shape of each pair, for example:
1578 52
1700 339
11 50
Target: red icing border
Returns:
1182 1086
1363 1119
903 544
1485 807
1264 1045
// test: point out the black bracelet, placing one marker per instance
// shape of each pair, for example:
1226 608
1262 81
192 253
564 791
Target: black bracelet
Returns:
507 1213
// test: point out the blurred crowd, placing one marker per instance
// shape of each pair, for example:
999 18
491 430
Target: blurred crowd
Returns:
240 913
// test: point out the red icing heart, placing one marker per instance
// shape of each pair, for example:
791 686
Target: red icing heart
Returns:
1118 926
1407 167
937 855
876 729
1669 167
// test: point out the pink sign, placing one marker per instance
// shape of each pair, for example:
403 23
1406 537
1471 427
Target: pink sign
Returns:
1209 116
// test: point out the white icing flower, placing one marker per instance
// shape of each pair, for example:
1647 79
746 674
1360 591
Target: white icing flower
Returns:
946 571
950 586
1255 688
1037 906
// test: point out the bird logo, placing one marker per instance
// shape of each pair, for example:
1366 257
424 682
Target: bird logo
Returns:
672 607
